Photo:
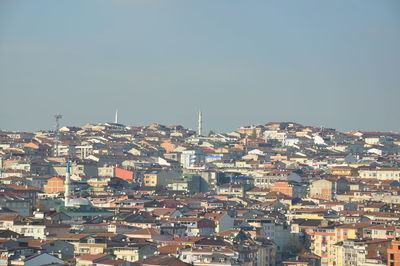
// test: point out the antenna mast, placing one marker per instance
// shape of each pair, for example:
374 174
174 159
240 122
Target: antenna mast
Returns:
58 118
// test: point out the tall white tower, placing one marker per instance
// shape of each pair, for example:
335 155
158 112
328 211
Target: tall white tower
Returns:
67 183
200 125
116 117
57 133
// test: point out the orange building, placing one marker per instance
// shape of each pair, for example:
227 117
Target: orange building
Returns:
54 185
168 146
32 145
124 174
394 254
284 187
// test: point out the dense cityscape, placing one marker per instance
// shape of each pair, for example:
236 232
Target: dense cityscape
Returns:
279 193
199 133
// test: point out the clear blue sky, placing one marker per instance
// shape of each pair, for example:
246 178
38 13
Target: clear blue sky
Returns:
323 63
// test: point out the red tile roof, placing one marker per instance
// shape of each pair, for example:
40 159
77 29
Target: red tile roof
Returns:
90 257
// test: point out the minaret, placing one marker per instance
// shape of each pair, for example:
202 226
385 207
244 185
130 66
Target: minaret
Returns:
116 117
67 183
200 123
57 133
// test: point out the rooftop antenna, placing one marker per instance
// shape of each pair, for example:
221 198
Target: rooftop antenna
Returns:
58 118
200 122
116 117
